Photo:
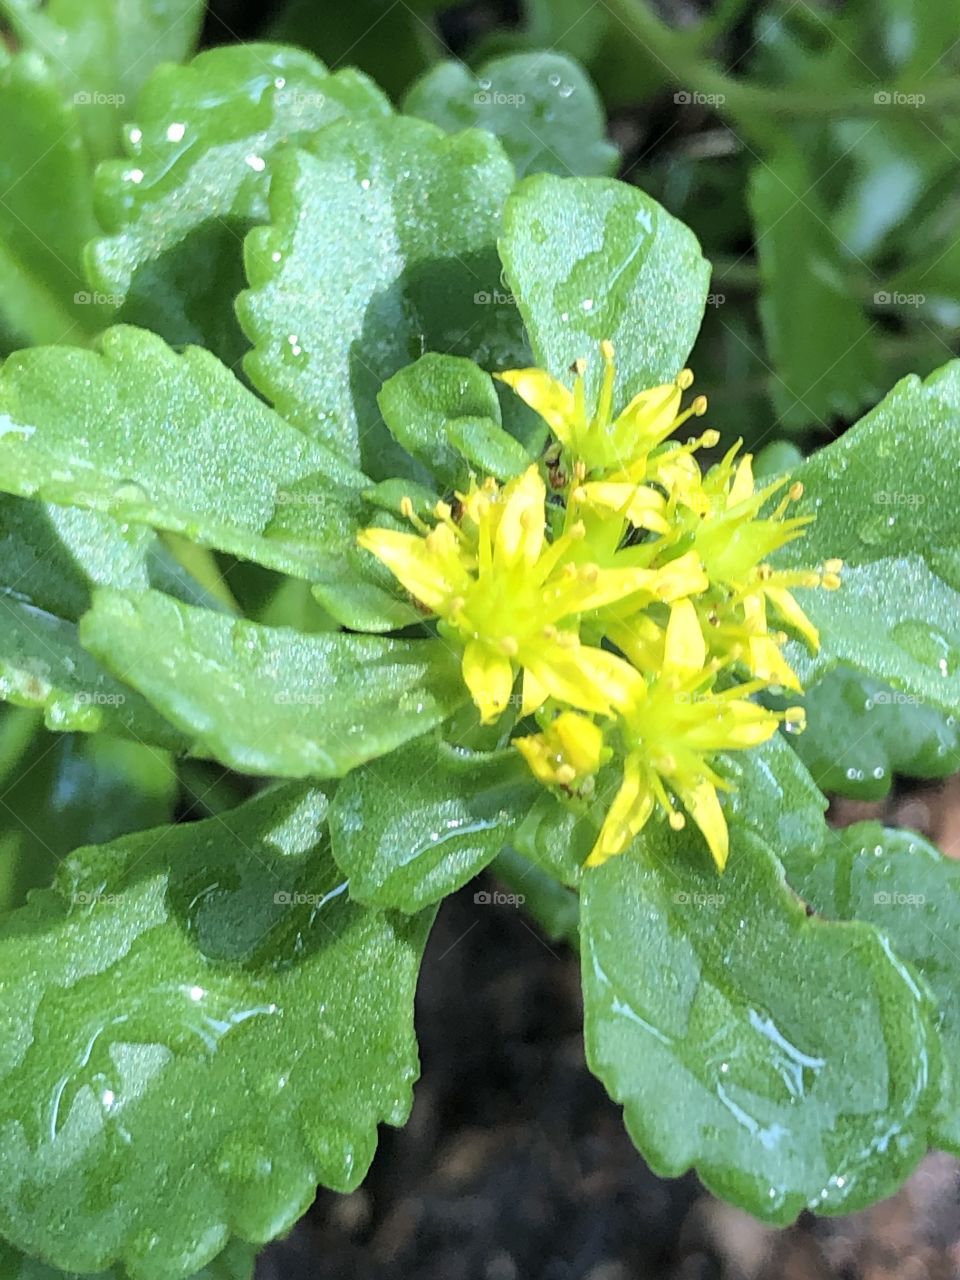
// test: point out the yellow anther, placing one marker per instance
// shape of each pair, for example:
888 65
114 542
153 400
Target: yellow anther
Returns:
606 350
831 581
833 566
509 646
699 406
677 821
795 491
685 379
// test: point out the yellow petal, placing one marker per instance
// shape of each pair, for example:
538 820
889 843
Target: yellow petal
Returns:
546 396
522 525
583 677
649 417
629 813
489 677
539 758
684 649
534 694
684 576
765 660
579 740
701 802
793 615
412 562
742 487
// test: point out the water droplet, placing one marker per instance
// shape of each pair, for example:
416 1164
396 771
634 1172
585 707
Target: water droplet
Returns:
256 163
176 131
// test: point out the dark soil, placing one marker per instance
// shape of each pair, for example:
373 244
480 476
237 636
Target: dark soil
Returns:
515 1164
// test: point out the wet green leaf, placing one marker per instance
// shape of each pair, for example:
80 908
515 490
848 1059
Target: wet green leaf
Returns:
235 1263
542 106
591 258
884 501
175 441
903 885
199 1008
792 1061
196 178
860 733
418 824
103 50
270 700
381 247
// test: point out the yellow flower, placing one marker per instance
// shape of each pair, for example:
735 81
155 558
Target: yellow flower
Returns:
601 441
674 725
511 598
567 754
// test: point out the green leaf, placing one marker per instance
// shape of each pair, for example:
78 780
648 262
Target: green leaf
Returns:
270 700
555 909
382 246
445 412
884 501
46 214
792 1061
65 791
196 179
775 797
903 885
177 442
202 1010
592 258
415 826
860 733
52 556
103 50
235 1263
542 106
822 345
43 665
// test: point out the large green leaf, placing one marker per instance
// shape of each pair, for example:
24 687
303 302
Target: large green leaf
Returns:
200 1027
197 176
270 700
382 246
901 883
103 50
819 339
235 1263
884 500
46 214
792 1061
860 733
177 442
592 258
420 823
542 106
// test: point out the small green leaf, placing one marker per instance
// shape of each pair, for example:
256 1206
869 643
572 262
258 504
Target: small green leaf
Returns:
270 700
415 826
542 106
175 441
103 50
46 214
382 246
196 179
821 343
592 258
792 1061
443 405
202 1009
860 733
883 496
903 885
43 665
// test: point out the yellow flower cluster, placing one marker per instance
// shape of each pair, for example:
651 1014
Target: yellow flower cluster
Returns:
628 591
